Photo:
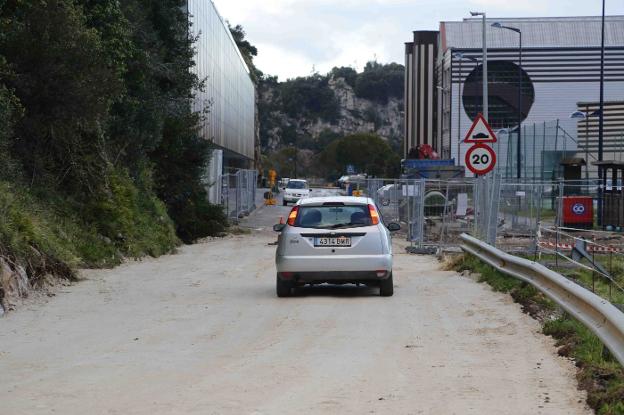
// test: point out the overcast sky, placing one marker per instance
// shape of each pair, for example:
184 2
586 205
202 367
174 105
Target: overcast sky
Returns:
295 36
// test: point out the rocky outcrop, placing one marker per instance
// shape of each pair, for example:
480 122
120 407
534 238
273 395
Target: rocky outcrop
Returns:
357 115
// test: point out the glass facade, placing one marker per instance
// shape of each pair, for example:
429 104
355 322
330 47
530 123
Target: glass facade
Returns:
229 94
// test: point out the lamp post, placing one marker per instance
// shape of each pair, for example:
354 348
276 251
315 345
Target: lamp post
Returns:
580 115
602 65
602 179
519 32
485 65
460 57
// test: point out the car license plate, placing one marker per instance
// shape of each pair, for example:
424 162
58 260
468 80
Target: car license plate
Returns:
339 241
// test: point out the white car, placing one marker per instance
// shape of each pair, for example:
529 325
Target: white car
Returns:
295 190
338 240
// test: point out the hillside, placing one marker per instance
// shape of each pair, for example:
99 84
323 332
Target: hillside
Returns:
309 111
307 124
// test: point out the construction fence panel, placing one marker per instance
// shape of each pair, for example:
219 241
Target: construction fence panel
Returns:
238 193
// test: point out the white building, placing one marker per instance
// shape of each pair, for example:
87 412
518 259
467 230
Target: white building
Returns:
561 72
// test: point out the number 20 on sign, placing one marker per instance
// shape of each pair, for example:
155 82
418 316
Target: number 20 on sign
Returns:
480 159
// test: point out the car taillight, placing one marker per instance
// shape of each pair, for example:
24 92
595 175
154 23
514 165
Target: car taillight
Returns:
373 214
293 216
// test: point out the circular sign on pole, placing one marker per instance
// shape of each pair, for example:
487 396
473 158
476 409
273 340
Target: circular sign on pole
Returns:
480 159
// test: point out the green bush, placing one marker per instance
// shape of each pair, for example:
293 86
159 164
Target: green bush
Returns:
348 74
132 217
309 97
380 82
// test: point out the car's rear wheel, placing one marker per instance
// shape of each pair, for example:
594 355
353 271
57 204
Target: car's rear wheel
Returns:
285 203
283 288
386 287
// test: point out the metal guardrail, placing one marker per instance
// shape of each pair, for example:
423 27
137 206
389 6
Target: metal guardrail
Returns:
597 314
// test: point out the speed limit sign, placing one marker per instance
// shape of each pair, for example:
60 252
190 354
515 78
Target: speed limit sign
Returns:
480 159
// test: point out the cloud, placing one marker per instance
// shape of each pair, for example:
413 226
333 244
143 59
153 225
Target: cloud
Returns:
292 36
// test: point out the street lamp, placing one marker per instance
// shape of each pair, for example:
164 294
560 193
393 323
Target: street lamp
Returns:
602 65
460 57
519 32
580 115
485 65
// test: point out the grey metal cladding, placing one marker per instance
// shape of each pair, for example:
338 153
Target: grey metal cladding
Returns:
556 32
229 94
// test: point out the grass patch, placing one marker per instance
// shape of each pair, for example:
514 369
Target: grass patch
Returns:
598 372
51 234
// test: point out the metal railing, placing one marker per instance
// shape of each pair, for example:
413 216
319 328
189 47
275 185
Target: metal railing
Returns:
597 314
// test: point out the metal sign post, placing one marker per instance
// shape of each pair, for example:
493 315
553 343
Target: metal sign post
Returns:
480 158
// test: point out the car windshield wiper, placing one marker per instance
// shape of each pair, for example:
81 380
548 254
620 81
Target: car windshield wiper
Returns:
347 225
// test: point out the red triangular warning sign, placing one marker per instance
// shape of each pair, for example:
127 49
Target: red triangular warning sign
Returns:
480 132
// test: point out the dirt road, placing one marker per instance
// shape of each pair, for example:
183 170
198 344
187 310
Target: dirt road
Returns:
202 332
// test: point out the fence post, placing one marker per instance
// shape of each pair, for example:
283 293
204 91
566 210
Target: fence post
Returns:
492 226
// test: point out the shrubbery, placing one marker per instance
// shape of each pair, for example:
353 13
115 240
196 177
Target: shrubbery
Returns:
380 82
99 147
309 97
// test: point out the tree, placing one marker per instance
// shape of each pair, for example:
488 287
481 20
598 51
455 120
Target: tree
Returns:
368 153
309 97
62 79
248 51
380 82
347 73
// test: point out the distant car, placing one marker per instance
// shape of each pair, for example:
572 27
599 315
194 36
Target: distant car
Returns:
354 179
283 182
337 240
295 190
341 181
389 193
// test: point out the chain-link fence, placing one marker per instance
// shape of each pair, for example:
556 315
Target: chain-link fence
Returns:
238 193
503 212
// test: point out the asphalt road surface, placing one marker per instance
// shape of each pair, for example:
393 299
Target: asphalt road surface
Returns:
202 332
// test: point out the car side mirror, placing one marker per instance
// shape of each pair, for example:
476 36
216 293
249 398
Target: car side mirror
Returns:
393 227
279 227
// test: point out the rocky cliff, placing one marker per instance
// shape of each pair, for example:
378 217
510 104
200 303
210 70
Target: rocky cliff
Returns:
310 112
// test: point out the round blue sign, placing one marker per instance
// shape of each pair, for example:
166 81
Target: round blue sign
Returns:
578 209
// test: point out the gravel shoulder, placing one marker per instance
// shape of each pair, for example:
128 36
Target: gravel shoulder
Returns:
202 332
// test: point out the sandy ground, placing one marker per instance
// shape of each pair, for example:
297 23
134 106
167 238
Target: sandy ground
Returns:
202 332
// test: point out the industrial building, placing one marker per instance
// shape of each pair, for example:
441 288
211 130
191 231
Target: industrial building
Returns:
560 89
228 99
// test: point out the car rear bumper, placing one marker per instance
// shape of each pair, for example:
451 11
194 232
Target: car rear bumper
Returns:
335 277
335 264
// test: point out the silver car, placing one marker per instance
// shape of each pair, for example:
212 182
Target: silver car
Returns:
337 240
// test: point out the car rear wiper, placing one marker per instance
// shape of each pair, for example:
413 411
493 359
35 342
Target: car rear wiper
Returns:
347 225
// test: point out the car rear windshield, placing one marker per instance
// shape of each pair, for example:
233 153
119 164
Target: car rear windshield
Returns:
296 185
333 217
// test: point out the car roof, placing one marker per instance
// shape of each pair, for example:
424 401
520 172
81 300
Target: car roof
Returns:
336 199
298 180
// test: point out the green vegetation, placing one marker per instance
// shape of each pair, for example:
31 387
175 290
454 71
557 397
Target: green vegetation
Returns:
614 264
248 51
100 156
598 373
288 109
380 82
309 97
366 152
